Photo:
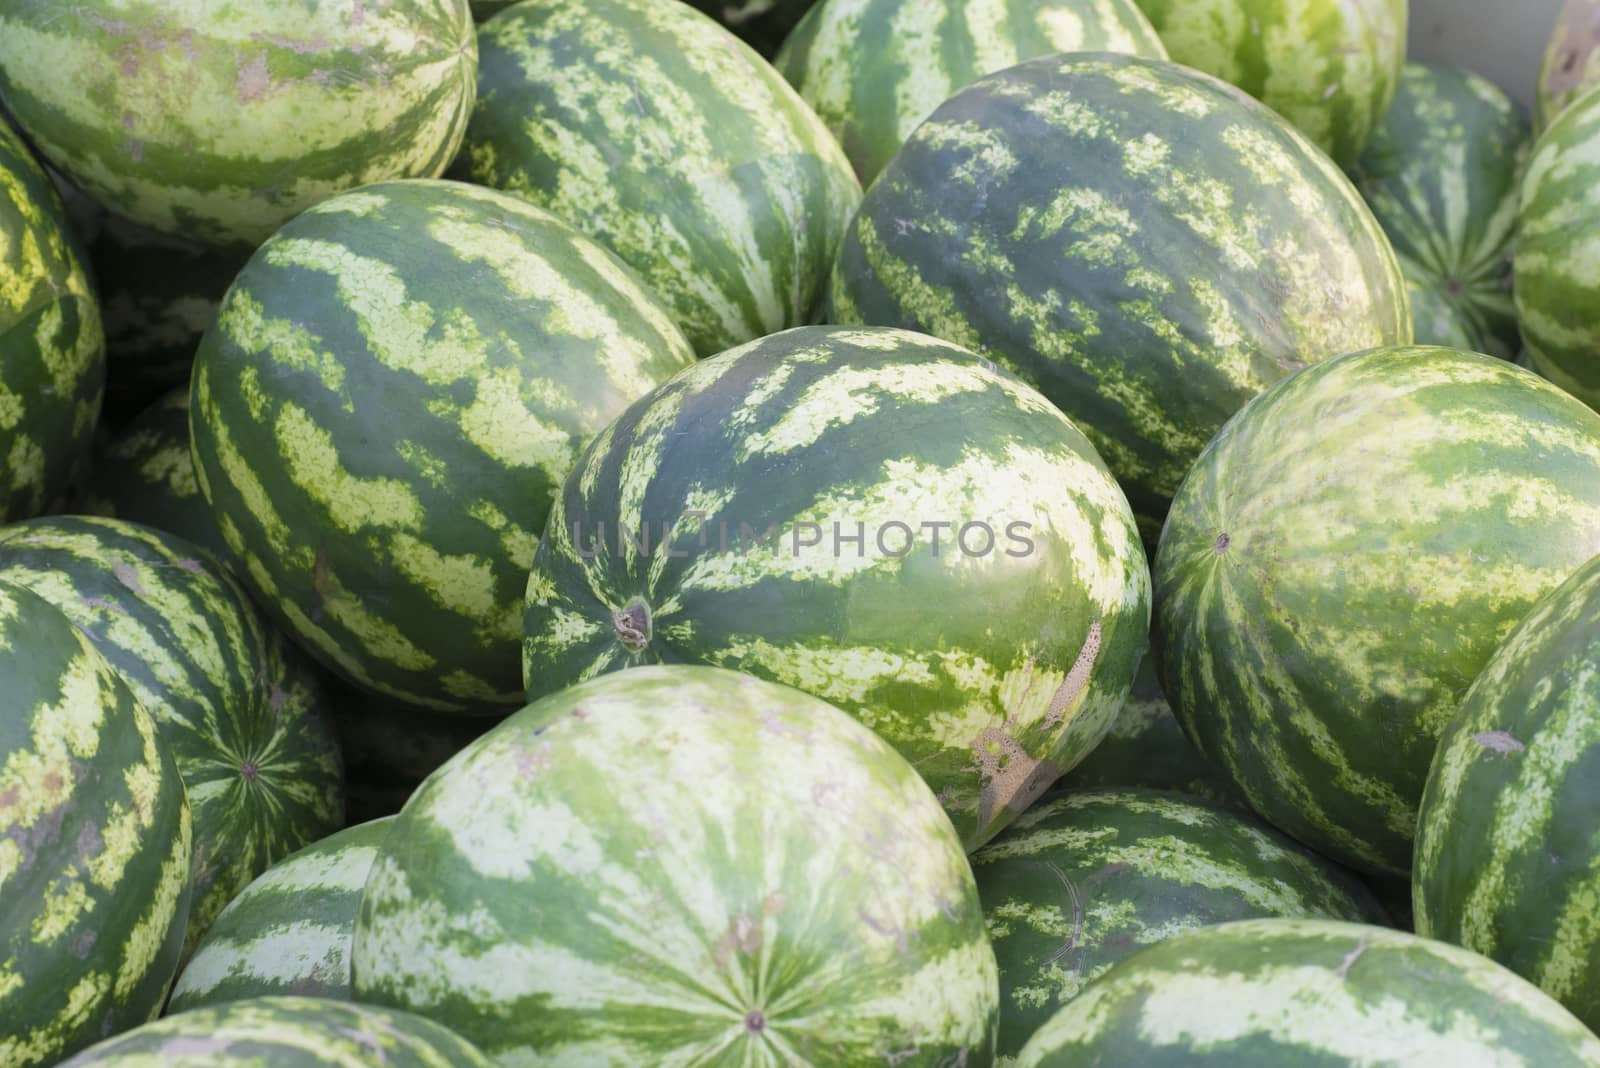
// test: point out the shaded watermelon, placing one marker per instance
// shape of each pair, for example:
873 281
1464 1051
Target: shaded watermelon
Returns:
786 889
1345 558
763 24
1571 63
395 387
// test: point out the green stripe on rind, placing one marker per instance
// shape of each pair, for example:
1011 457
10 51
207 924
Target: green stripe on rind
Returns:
145 474
52 350
1051 216
395 387
487 9
874 69
993 668
786 890
286 1032
1328 66
650 128
1571 61
1507 860
237 706
1311 993
1342 562
1442 174
1078 883
1557 262
289 931
221 122
94 844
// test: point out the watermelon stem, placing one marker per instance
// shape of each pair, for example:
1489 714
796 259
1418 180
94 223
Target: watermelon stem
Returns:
632 624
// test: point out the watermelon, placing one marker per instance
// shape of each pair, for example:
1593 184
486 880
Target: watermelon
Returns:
1343 561
486 9
394 389
220 122
727 870
979 598
1105 181
1571 63
763 24
1558 253
236 705
94 843
1442 175
289 931
874 69
651 129
52 345
1281 992
1328 66
286 1032
1508 863
1080 882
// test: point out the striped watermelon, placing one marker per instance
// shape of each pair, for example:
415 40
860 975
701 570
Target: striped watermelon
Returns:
1080 882
1277 993
1571 61
1105 180
1442 175
682 865
237 706
52 348
650 128
94 844
874 69
1343 561
394 389
993 652
1508 862
1558 253
289 931
286 1032
763 24
220 122
1328 66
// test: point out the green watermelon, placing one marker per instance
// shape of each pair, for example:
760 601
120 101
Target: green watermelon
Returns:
94 843
1055 217
486 9
1571 61
1558 253
763 24
289 931
1328 66
979 597
1343 561
874 69
1282 993
1080 882
220 122
52 348
1442 175
286 1032
681 865
650 128
237 706
1508 861
393 391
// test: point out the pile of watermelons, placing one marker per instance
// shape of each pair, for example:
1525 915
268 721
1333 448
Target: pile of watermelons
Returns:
1041 532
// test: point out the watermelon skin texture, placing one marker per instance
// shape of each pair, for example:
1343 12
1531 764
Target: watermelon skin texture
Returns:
874 69
288 933
395 387
237 706
653 130
1443 175
1507 860
1032 646
1571 64
1556 256
286 1032
1282 993
1328 66
52 343
786 890
1050 274
1345 558
219 123
1081 882
94 844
